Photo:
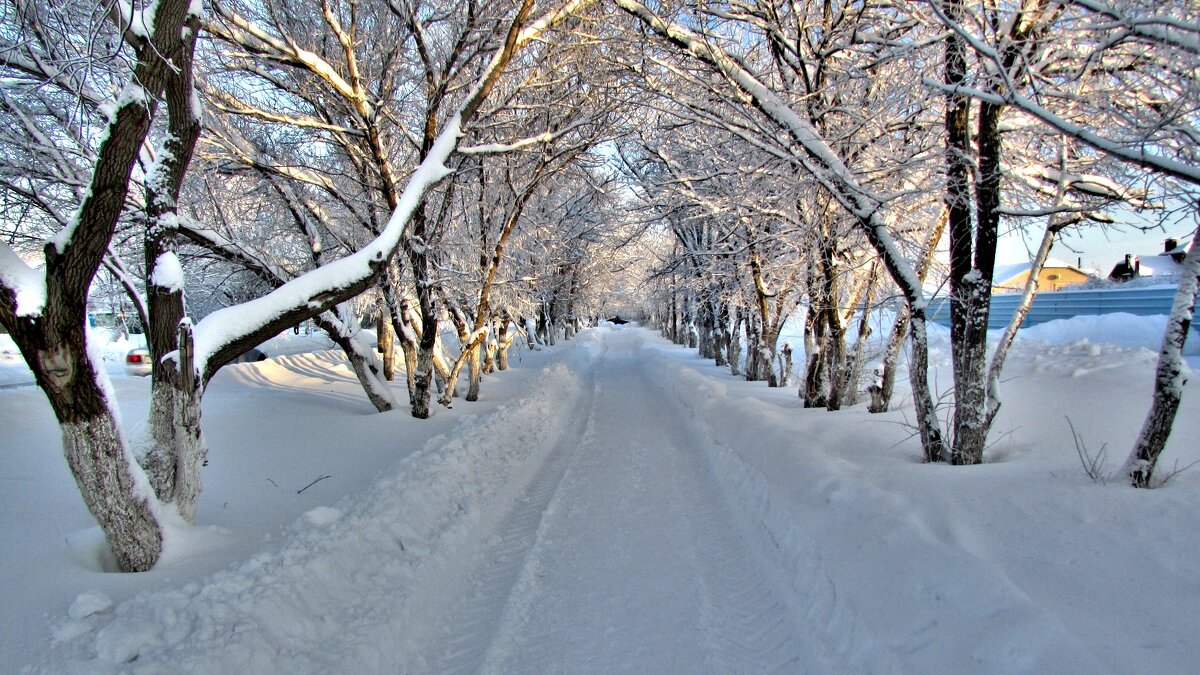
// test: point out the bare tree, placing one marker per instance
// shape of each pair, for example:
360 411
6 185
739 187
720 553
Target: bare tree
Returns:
45 312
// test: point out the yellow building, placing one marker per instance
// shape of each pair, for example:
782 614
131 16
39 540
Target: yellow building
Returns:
1055 276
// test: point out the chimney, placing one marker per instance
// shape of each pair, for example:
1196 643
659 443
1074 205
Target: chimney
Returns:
1137 266
1170 244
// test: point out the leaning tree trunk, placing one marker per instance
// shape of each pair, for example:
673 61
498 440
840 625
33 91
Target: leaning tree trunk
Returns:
341 326
1170 375
1018 317
881 394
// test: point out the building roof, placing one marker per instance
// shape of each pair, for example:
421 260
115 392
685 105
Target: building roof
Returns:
1003 273
1161 265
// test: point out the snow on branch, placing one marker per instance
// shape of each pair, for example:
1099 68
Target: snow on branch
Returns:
1085 183
24 285
819 159
137 25
326 285
500 148
244 33
1184 35
222 334
1137 152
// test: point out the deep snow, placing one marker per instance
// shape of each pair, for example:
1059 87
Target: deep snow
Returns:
616 504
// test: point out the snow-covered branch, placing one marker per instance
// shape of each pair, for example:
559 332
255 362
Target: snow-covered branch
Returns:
1134 151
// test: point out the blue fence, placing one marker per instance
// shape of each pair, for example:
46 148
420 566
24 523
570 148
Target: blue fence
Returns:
1048 306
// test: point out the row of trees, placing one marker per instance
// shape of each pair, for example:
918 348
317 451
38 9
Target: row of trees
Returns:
308 155
842 141
489 165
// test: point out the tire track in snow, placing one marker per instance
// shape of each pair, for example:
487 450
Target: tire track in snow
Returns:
750 627
825 615
573 610
474 620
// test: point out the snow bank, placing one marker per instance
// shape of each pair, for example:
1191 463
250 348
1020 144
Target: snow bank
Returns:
313 603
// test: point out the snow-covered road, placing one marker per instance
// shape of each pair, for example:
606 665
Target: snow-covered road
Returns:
620 555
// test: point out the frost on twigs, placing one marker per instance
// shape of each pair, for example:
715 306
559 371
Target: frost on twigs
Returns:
1094 463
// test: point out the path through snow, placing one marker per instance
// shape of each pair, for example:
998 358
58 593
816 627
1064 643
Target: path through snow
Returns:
620 556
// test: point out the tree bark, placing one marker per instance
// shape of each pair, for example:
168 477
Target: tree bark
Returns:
735 342
190 452
387 342
113 486
341 326
881 394
1169 376
854 366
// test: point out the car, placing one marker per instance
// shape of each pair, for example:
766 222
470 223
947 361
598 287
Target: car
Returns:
137 362
251 356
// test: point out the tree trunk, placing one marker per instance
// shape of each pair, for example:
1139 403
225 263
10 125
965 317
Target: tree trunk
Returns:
881 391
927 423
785 364
721 336
854 365
190 451
813 389
505 339
489 356
1170 375
475 371
387 343
768 343
735 345
165 308
753 354
1018 317
114 488
972 250
341 326
881 395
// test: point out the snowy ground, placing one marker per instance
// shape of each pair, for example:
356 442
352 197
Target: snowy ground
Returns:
615 504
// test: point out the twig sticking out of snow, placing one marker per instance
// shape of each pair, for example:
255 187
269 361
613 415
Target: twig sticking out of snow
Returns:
318 480
1093 463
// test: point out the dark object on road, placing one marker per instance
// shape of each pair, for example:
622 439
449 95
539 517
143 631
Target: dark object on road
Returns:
618 320
251 356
